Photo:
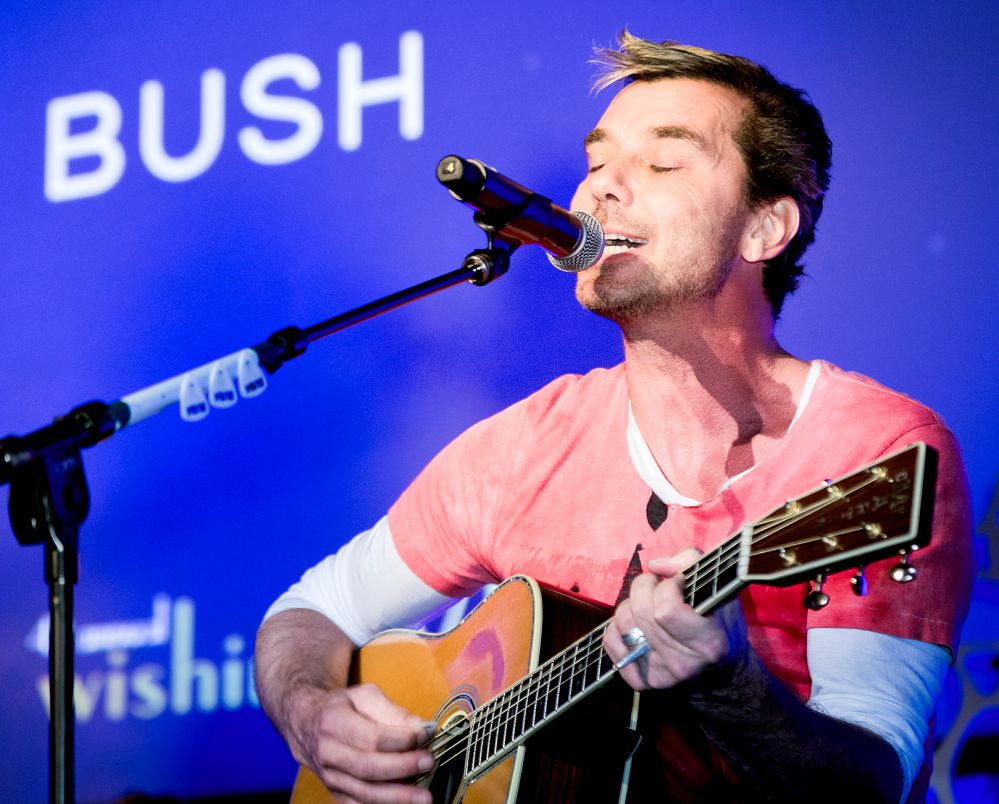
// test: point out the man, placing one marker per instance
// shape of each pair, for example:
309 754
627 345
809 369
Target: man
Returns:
707 175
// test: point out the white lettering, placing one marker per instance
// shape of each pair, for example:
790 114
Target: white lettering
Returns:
116 687
210 136
233 672
299 111
146 686
185 670
62 146
406 88
142 692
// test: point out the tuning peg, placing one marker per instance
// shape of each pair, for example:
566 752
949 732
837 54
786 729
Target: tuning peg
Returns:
817 599
903 571
859 582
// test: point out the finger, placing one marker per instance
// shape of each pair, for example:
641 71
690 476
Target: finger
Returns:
670 566
372 702
348 789
633 673
369 699
668 622
342 723
374 766
641 604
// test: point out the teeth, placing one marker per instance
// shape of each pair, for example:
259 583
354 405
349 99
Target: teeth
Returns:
622 240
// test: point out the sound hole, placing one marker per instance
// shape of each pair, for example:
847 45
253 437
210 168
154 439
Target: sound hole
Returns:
449 745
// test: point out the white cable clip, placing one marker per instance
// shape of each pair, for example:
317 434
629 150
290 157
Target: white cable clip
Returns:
193 402
221 389
252 381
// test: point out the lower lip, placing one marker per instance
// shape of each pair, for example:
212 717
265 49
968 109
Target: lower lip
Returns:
618 251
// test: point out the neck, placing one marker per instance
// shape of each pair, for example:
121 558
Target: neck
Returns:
711 390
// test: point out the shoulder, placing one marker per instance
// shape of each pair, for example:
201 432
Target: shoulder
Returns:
566 402
551 419
852 407
858 393
571 391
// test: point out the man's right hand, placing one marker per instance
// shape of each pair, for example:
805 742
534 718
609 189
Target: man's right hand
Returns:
360 744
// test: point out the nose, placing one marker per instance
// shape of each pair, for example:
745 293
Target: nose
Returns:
610 183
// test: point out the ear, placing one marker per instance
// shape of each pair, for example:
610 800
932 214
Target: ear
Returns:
772 227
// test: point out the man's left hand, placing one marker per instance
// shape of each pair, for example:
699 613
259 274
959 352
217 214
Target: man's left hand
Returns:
682 642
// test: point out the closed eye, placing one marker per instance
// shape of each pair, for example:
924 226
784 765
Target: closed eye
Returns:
593 168
661 169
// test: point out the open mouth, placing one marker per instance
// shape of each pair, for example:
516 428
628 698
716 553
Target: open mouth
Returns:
618 243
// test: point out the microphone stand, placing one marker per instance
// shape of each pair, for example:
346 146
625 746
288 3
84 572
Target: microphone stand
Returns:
49 498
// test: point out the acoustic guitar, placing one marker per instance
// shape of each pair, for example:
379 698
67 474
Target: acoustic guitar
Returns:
529 707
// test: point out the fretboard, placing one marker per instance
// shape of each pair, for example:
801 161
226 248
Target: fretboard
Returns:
504 722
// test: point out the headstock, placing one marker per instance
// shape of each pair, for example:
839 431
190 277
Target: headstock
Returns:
882 509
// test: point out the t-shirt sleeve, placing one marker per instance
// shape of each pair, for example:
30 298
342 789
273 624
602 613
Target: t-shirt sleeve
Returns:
443 521
932 607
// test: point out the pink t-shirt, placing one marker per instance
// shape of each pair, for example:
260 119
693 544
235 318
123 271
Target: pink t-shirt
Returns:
549 489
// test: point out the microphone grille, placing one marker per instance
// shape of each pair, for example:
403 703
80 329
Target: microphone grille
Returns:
588 249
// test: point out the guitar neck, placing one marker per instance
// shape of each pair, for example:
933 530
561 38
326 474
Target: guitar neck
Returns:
502 724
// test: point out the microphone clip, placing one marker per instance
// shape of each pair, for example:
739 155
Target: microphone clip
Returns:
493 261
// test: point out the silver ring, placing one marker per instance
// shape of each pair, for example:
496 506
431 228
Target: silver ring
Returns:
633 637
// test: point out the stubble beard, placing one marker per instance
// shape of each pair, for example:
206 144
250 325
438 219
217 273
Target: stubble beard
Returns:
690 275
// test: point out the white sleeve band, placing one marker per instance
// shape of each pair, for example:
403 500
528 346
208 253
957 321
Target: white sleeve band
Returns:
885 684
365 588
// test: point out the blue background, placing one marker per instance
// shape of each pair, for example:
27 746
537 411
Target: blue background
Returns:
104 295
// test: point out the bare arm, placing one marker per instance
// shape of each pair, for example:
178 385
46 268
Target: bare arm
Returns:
353 738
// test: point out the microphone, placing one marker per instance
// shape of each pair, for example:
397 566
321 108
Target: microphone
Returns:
574 240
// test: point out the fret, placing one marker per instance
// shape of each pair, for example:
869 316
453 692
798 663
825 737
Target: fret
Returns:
473 757
495 724
502 713
715 562
485 724
575 673
591 669
693 576
520 723
540 700
493 731
727 575
554 687
712 573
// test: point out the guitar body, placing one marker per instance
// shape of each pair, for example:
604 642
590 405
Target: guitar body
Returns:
582 756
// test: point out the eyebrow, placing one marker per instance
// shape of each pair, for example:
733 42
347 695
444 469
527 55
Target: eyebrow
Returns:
659 132
683 133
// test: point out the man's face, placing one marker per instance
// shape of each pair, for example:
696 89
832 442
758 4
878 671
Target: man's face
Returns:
666 182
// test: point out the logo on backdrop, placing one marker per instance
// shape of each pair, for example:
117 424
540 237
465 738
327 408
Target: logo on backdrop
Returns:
123 687
84 156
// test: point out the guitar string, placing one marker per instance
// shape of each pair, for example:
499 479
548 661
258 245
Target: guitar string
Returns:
513 699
